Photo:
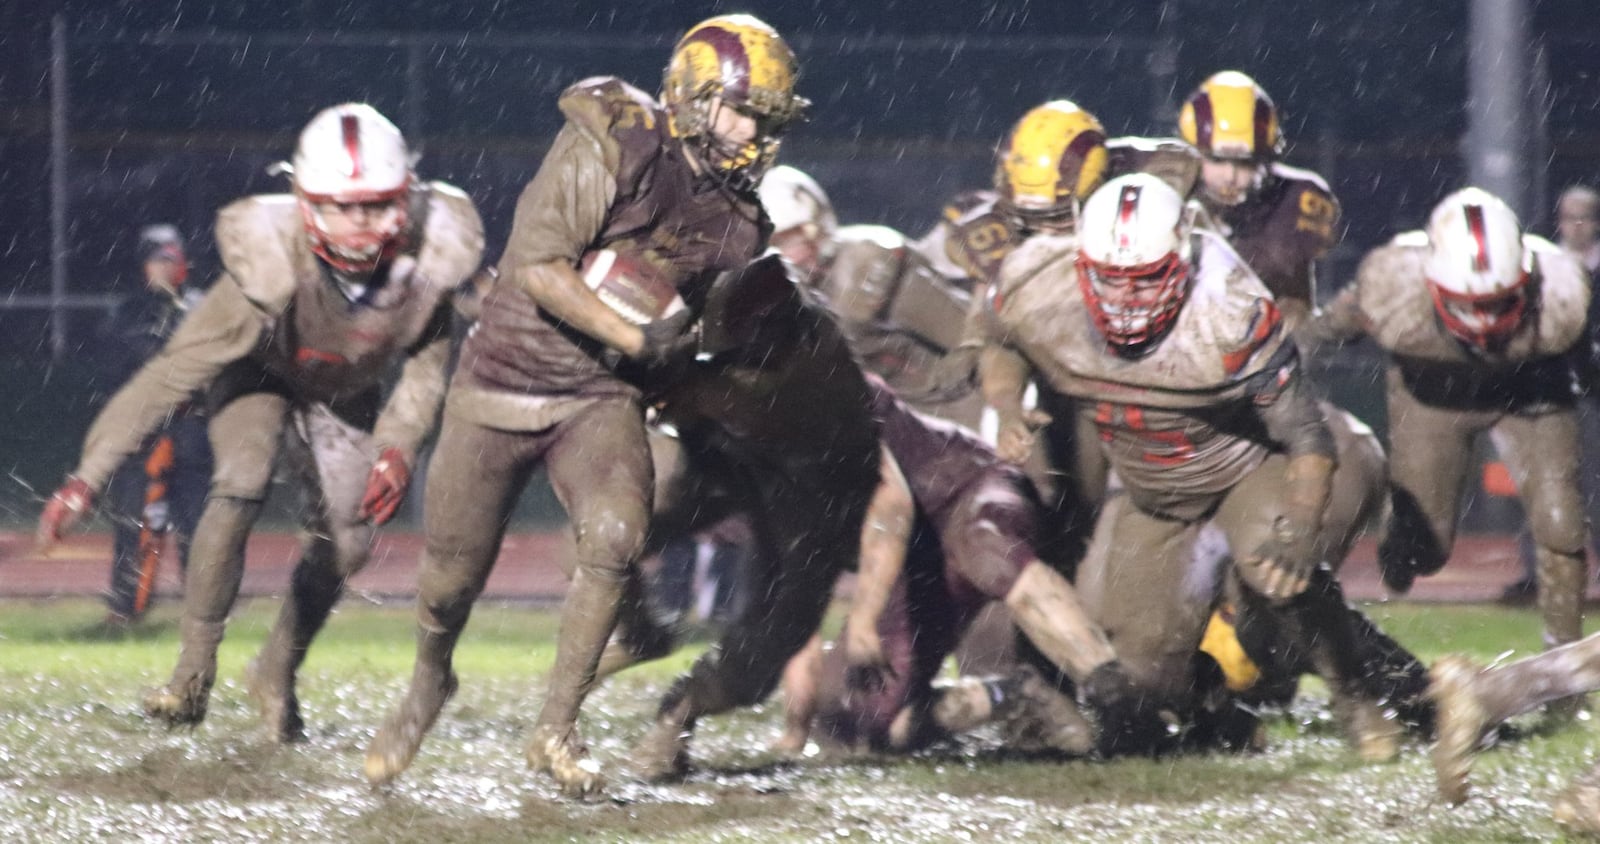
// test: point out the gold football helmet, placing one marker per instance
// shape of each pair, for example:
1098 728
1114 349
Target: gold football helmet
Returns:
1052 159
1230 117
739 62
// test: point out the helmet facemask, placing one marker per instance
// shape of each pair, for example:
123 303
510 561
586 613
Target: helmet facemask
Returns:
349 246
732 62
1134 307
1486 320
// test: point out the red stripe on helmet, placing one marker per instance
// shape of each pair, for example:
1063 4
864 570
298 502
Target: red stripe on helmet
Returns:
350 127
733 63
1480 238
1263 121
1203 121
1127 215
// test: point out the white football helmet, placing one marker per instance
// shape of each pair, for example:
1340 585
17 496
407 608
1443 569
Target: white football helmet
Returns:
803 221
1133 259
1476 267
352 155
794 199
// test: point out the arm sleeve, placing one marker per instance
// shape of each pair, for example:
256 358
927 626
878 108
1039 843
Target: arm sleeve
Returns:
1288 409
1340 321
413 408
563 209
223 328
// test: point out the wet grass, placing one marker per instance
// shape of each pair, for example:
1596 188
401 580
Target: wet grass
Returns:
78 761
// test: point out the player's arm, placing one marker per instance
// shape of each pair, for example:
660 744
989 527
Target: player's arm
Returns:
559 215
1003 375
225 327
885 534
1295 420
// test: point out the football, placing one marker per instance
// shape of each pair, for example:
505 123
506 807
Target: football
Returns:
632 288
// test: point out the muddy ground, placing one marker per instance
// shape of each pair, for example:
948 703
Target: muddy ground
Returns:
77 761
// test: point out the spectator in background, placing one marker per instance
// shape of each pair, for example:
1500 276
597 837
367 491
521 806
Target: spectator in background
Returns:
160 489
1578 234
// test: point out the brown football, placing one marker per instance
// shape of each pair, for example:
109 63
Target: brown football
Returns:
632 288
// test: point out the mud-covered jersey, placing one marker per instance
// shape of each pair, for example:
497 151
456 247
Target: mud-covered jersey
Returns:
940 460
1390 302
280 308
614 178
1184 422
899 313
1280 231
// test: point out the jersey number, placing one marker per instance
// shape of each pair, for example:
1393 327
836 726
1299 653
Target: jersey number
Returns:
1162 448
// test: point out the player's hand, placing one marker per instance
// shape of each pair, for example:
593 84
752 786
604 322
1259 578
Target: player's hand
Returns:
62 511
1014 442
386 487
1281 567
866 665
668 340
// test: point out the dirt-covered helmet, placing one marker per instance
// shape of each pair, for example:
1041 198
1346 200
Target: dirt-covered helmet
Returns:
1133 259
739 62
1476 268
352 155
1050 161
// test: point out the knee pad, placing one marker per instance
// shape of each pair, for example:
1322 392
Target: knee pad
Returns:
1560 528
610 539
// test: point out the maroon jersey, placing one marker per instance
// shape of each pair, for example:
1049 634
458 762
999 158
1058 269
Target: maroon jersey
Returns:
662 214
940 460
1281 229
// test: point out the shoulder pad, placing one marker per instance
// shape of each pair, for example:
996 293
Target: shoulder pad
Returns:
980 241
882 237
1414 239
1031 258
258 239
1287 173
452 237
1171 160
1563 293
1229 303
621 117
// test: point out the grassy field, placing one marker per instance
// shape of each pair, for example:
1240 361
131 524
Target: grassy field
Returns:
78 762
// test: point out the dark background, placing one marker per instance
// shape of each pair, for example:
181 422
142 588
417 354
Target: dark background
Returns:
178 107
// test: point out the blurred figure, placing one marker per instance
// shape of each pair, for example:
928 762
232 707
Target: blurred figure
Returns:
1478 322
161 488
1472 700
325 292
1578 234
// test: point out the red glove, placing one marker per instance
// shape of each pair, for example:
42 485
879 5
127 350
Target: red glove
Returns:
386 487
65 507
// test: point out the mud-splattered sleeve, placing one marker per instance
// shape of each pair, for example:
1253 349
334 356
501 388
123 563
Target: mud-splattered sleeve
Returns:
223 328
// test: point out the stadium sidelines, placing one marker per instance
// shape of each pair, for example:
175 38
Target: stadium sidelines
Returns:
529 568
